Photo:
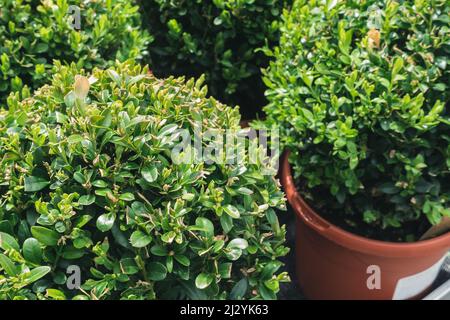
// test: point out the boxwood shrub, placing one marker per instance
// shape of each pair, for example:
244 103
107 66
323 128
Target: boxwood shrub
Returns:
33 33
215 37
360 91
87 181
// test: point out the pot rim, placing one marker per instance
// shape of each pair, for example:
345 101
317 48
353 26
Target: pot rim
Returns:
345 238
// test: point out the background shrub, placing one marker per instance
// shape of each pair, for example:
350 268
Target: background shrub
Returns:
33 33
87 179
360 91
218 38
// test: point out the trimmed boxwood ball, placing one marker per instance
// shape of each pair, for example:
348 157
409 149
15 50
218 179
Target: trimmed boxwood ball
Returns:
360 92
33 33
219 38
88 180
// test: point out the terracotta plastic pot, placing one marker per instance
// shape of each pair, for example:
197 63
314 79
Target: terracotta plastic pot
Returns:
332 263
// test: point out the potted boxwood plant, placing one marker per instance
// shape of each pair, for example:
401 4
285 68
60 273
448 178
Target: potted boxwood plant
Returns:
88 183
359 92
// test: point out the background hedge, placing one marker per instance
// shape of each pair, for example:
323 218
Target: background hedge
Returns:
33 33
218 38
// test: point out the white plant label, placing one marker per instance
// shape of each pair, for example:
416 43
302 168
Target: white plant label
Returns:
411 286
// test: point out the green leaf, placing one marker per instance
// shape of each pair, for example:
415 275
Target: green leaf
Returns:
79 177
183 260
156 271
218 245
238 243
8 265
129 266
203 280
55 294
232 211
266 293
269 269
226 222
149 173
353 163
105 222
86 200
331 4
188 196
167 129
82 220
114 76
307 79
69 99
136 79
34 275
72 253
103 192
33 184
273 220
233 253
8 242
59 277
127 196
239 290
139 239
168 237
32 250
45 236
6 227
398 65
158 250
246 191
100 184
120 237
388 188
225 270
74 139
169 264
440 87
41 47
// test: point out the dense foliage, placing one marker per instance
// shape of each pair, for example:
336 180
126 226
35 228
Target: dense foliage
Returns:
215 37
33 33
87 179
360 91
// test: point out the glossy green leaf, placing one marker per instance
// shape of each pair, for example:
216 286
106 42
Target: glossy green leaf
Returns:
8 265
206 226
239 290
105 222
232 211
33 184
8 242
203 280
32 250
86 200
139 239
150 173
156 271
34 275
45 236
